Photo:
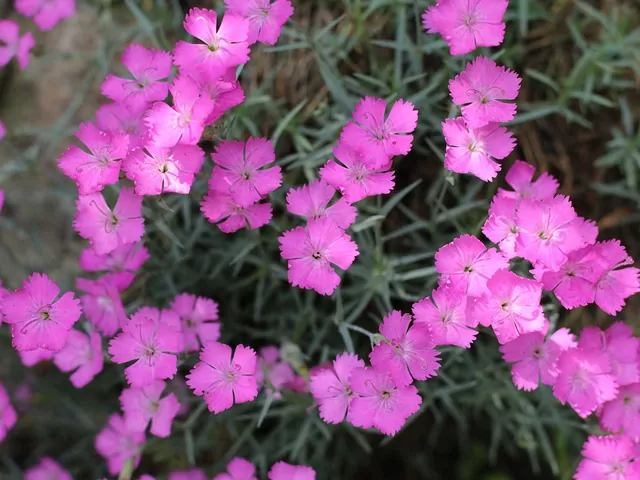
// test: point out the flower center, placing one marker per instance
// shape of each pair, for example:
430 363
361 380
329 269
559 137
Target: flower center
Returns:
468 269
114 219
316 255
164 168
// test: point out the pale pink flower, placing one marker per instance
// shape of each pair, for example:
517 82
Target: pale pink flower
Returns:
47 469
224 380
29 358
46 13
14 45
501 227
272 373
8 415
102 304
143 405
614 283
198 317
231 216
124 118
622 414
613 457
312 250
481 88
238 469
266 17
122 263
82 355
619 345
117 444
224 91
520 178
312 200
38 318
286 471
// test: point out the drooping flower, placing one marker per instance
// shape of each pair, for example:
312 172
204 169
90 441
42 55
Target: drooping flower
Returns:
122 263
46 13
224 380
481 88
198 317
8 415
520 178
613 457
238 469
107 229
224 91
149 68
501 227
286 471
117 444
223 209
378 402
156 170
222 47
466 25
14 44
535 359
266 17
614 283
311 251
143 405
102 304
47 469
355 174
38 318
82 353
239 171
272 373
466 263
312 200
622 414
330 387
472 150
29 358
406 352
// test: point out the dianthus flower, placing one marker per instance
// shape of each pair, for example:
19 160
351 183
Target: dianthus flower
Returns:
152 343
331 389
107 229
312 200
223 47
47 469
466 25
29 358
612 457
184 122
46 13
14 45
3 293
82 353
238 469
102 304
8 415
124 118
273 373
122 263
381 138
117 444
191 474
37 319
471 150
356 174
501 227
406 352
480 89
239 171
520 178
311 251
378 402
614 283
467 263
224 91
619 345
149 68
224 380
230 215
143 405
3 132
286 471
535 359
622 414
266 17
445 315
198 317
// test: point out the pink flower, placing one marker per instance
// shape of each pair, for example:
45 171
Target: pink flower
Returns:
501 227
619 345
143 405
615 283
480 89
227 47
46 13
311 251
224 91
331 389
357 175
82 353
311 201
466 25
198 317
37 319
124 118
123 262
520 178
511 306
29 358
272 373
231 216
152 343
191 474
445 316
472 150
185 121
622 414
406 353
238 469
148 68
238 170
378 402
92 171
102 305
224 380
117 444
266 17
285 471
157 170
534 359
14 44
47 469
381 138
613 457
3 132
8 415
466 263
108 229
